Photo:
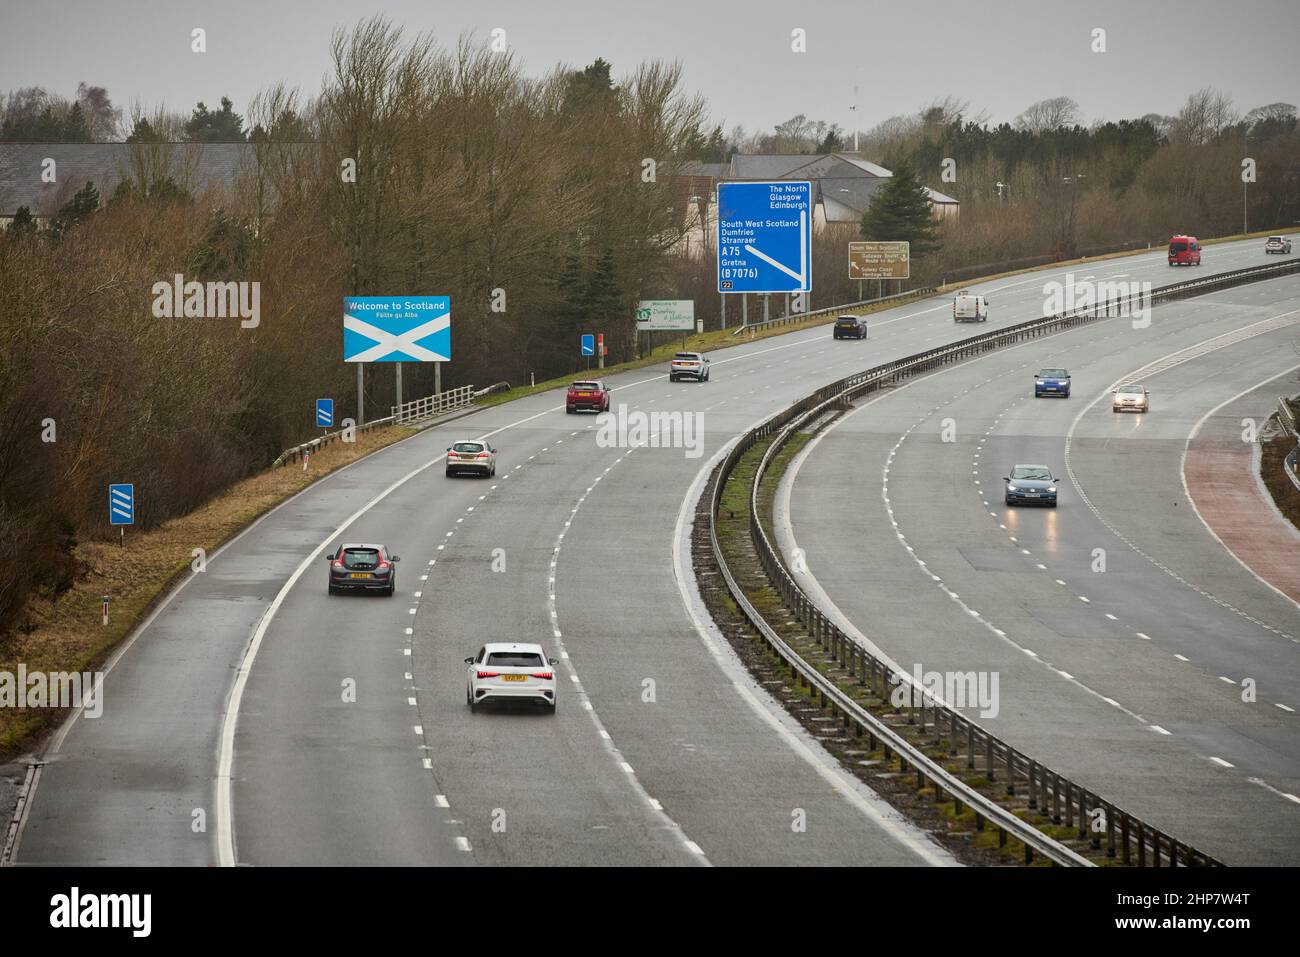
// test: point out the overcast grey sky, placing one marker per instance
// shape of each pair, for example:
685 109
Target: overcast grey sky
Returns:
1001 56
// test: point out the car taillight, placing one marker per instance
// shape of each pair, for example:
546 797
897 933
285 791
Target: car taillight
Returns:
383 566
337 563
548 675
481 455
489 674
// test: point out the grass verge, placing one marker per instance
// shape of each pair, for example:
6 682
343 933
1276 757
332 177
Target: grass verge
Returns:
1272 470
68 634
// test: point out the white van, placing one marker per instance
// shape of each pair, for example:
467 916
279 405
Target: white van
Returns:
970 308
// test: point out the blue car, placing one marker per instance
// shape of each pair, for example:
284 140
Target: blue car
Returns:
1052 382
1031 485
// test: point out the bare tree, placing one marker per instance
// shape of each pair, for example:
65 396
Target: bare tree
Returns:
1050 114
103 118
1205 115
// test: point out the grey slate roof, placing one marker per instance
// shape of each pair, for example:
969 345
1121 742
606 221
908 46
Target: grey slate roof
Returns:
844 182
194 166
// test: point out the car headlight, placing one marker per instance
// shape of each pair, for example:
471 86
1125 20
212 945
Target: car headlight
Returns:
1051 488
1039 382
1010 487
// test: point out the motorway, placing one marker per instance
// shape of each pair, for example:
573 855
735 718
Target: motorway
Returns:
227 738
1125 635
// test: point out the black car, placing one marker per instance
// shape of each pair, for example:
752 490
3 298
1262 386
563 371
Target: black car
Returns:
850 327
362 568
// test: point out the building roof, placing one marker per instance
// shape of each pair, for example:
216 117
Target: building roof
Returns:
194 166
713 170
844 183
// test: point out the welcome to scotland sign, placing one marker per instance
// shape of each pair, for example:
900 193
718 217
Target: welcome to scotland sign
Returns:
397 329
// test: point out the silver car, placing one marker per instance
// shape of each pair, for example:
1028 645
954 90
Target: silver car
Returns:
478 458
1131 398
689 365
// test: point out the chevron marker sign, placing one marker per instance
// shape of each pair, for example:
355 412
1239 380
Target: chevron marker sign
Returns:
397 329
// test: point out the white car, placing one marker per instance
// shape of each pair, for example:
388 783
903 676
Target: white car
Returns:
502 671
1131 398
478 458
689 364
1277 244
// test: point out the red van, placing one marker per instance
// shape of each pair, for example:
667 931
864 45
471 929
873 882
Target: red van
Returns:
1184 251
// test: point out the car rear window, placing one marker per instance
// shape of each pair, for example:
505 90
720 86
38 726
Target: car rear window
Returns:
846 322
586 386
516 659
1178 247
693 356
468 447
355 557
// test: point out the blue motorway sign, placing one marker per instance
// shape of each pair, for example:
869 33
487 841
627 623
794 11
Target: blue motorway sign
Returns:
589 345
765 236
397 329
325 413
121 504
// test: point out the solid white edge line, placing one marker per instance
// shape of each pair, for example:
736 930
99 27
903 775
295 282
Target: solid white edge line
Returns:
891 821
1256 452
225 837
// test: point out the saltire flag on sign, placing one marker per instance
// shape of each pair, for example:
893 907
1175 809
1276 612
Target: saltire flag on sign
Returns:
397 329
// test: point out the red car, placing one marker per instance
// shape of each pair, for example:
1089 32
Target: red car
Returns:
1184 251
590 394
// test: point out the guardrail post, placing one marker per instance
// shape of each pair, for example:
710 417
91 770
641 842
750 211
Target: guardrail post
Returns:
1033 789
970 746
988 757
1124 840
1011 770
1110 831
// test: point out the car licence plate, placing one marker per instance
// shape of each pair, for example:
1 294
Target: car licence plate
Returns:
514 677
359 575
1032 494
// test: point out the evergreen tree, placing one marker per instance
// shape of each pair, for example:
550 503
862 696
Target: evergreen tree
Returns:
24 224
83 203
592 87
215 126
604 297
554 346
143 132
76 129
900 212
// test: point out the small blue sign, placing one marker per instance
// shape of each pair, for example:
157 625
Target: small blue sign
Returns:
397 329
121 504
765 236
589 345
325 413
